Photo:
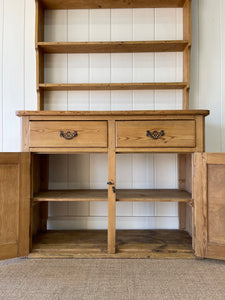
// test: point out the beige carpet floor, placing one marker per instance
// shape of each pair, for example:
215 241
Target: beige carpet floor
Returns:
120 279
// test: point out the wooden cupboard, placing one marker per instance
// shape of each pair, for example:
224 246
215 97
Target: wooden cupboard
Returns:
24 195
24 176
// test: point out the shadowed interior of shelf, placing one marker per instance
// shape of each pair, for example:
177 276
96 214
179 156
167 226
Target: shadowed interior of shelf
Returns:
130 243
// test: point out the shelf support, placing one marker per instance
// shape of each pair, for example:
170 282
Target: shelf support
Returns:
111 194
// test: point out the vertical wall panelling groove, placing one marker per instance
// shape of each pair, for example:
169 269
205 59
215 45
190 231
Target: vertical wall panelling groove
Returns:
222 48
209 70
30 98
13 70
1 70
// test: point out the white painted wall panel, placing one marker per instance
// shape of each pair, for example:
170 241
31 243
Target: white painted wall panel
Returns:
13 70
30 57
78 25
210 70
222 79
1 70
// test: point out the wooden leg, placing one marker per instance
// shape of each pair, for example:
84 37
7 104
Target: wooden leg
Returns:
182 184
111 190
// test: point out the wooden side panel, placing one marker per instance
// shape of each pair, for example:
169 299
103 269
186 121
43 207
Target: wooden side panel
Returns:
111 192
14 204
186 57
185 183
209 187
39 24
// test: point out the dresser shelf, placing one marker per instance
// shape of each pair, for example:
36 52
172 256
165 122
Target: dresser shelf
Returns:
98 4
112 47
161 195
113 86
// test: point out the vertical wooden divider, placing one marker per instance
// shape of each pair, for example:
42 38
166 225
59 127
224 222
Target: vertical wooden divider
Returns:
44 174
181 185
111 193
39 37
186 78
24 204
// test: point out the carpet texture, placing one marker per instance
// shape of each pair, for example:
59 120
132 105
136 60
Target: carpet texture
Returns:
95 279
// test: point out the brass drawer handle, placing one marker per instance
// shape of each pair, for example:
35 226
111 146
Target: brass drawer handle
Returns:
68 135
155 135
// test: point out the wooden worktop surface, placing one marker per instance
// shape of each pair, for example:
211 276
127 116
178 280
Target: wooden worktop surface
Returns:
113 113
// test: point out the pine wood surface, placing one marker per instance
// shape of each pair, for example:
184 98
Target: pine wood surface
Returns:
112 86
129 244
167 195
176 113
48 134
98 4
176 134
71 195
14 204
209 206
112 47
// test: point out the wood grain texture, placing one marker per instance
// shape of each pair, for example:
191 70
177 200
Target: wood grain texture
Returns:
25 134
130 244
157 113
111 186
209 207
14 204
200 208
181 185
162 195
112 47
167 195
176 134
98 4
39 22
71 195
112 86
216 204
67 150
89 134
24 204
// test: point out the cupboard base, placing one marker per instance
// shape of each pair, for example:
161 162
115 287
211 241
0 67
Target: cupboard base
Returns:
130 244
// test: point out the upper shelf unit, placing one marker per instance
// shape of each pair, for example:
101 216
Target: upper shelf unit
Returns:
51 47
98 4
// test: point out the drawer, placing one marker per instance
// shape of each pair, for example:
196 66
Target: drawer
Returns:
163 133
68 134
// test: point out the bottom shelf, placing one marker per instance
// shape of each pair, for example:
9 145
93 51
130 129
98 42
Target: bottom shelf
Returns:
129 244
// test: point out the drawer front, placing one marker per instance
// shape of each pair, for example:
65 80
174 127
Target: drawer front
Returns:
170 133
68 134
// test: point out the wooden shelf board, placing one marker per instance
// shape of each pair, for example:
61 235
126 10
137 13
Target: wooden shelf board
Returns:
166 195
130 244
113 86
72 195
98 4
162 195
113 47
